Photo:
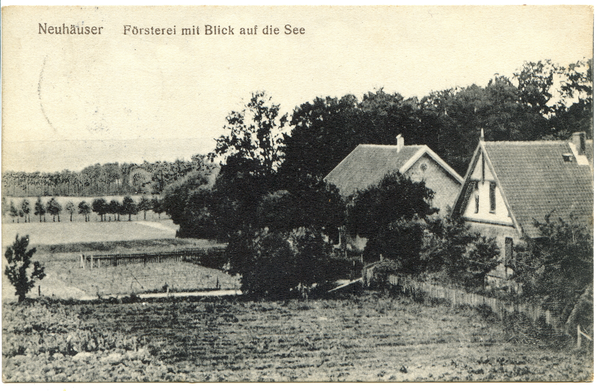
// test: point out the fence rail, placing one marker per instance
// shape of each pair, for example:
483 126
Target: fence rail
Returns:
105 260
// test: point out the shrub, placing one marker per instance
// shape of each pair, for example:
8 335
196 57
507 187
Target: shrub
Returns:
457 254
557 268
274 264
21 273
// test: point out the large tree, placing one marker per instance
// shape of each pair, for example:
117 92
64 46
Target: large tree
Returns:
557 268
70 207
100 206
129 207
26 209
323 133
145 205
85 210
326 130
383 212
254 134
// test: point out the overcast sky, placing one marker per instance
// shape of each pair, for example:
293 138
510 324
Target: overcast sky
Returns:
115 87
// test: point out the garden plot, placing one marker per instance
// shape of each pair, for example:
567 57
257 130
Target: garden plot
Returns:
67 280
357 338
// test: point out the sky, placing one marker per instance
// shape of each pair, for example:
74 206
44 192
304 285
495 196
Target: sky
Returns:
145 90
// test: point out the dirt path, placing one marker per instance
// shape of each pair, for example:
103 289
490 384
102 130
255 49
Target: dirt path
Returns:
223 292
156 225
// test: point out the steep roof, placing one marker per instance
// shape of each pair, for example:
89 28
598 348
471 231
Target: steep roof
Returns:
535 180
367 164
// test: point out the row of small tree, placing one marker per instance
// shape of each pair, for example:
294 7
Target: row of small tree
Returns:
99 205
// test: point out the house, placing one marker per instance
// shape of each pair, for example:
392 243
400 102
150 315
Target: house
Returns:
511 184
367 164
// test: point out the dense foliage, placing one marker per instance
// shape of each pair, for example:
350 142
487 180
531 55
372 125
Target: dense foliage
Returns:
456 255
102 179
388 214
557 268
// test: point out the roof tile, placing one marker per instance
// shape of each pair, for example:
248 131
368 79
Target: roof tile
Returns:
536 181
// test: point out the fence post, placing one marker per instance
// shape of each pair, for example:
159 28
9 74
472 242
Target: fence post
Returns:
578 336
91 261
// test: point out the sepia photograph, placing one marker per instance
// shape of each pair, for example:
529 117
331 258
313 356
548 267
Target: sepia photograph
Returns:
292 194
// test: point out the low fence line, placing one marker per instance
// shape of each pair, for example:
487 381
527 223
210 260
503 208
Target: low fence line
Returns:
98 260
460 297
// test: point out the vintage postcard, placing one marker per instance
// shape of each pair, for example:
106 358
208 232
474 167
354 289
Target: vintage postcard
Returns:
297 194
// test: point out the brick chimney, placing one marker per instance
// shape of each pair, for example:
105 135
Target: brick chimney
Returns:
400 142
578 139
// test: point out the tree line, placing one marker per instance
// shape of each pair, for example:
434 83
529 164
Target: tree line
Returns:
100 206
101 179
542 100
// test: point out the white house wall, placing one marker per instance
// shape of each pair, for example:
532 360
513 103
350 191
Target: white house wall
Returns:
501 214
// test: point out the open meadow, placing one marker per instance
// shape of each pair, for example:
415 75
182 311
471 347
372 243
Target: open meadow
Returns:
370 337
80 232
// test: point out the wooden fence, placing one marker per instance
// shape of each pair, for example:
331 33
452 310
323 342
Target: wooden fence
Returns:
105 260
460 297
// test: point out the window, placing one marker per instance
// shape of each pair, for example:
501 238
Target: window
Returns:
476 196
492 197
508 251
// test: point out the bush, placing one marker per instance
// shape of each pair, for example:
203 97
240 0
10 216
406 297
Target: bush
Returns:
21 273
453 252
557 268
279 265
400 240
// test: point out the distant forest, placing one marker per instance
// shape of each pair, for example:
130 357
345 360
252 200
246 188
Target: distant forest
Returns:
542 100
102 179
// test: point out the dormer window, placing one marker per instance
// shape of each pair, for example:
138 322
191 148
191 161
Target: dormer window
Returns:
568 157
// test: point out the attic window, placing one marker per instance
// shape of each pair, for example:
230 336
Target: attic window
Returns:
568 157
492 197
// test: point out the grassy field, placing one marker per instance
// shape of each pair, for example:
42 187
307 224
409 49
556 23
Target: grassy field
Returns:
354 338
66 280
76 232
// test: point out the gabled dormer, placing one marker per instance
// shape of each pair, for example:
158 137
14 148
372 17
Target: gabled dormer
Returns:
481 198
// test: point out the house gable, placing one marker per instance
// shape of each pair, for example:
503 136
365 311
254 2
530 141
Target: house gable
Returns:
533 179
436 177
367 164
483 199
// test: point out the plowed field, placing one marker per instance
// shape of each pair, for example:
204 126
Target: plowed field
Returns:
356 338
